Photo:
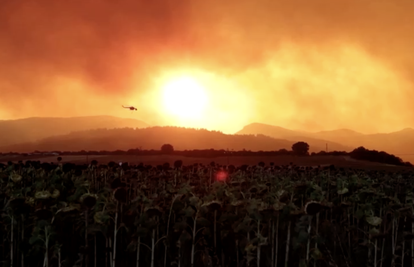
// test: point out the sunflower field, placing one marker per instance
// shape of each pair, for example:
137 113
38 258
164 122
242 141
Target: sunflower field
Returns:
55 214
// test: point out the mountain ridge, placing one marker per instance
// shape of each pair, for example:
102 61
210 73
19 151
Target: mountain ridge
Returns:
151 138
29 130
36 128
397 142
283 133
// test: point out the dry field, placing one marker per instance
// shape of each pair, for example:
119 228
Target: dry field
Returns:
340 161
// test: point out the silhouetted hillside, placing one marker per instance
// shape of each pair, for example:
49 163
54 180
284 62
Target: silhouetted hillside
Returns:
296 136
33 129
338 136
400 143
153 138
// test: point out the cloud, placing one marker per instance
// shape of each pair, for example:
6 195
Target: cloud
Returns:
98 53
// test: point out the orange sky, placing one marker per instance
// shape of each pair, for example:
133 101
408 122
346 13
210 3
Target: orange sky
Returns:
310 65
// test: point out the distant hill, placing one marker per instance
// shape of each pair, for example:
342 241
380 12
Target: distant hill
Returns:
152 138
400 143
291 135
339 136
32 129
79 133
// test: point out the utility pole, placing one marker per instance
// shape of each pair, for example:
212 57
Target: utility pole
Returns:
228 159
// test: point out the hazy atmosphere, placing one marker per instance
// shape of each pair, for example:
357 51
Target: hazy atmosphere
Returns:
306 65
249 133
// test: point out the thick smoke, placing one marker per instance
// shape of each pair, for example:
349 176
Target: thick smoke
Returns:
303 64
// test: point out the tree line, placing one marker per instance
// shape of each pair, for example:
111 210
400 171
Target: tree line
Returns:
297 149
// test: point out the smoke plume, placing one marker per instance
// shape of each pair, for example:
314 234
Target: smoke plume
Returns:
310 65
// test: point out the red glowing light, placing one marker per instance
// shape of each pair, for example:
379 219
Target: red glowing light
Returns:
221 176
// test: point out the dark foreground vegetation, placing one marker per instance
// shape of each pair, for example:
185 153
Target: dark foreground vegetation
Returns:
119 215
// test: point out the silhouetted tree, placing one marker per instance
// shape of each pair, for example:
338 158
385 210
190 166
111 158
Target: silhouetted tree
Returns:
300 148
167 149
59 159
361 153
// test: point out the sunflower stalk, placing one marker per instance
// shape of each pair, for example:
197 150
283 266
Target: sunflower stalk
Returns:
287 244
194 238
276 249
59 258
11 241
215 230
168 228
369 246
46 261
412 240
115 235
288 238
21 253
138 250
382 251
259 244
272 252
86 239
403 248
108 251
152 247
316 235
309 240
375 252
94 251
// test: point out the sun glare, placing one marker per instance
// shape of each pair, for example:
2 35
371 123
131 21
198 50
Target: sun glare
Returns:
185 98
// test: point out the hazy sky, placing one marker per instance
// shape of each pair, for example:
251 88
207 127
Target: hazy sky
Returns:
311 65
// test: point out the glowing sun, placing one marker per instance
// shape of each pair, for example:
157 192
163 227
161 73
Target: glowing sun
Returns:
185 98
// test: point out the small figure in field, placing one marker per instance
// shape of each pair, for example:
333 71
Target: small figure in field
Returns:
130 108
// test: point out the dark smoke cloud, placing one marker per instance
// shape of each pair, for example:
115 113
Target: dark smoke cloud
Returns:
92 40
108 45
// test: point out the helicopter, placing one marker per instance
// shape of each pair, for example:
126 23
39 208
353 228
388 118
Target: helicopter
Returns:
131 108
